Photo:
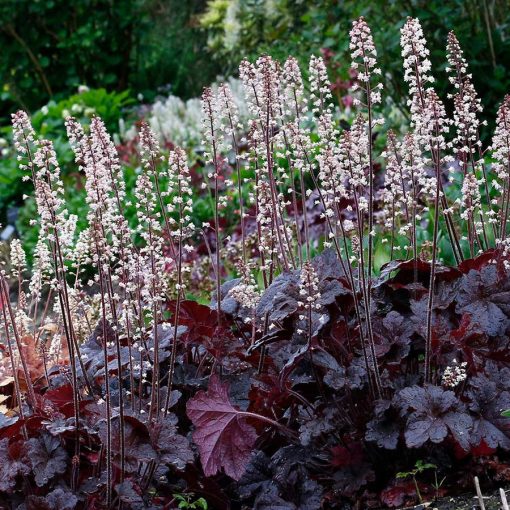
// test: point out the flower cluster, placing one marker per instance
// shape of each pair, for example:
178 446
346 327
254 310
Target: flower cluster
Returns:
455 374
417 65
246 292
309 288
18 258
364 63
501 166
320 86
467 104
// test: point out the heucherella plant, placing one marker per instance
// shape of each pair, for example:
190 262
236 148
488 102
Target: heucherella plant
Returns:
329 338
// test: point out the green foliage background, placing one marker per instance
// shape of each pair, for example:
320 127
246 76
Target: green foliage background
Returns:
49 47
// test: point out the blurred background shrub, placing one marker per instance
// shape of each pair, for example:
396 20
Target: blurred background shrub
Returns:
51 47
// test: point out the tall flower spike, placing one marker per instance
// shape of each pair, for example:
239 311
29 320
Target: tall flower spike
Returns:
417 67
249 78
109 157
466 144
97 186
363 55
427 112
353 152
263 83
320 86
268 85
212 155
229 125
294 90
49 194
466 102
181 203
331 179
150 156
151 261
179 188
227 110
321 102
25 140
501 165
436 125
364 63
149 145
18 258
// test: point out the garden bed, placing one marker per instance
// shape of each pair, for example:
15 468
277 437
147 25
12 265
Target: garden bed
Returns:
465 502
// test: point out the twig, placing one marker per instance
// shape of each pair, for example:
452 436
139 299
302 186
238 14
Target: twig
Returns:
11 30
504 501
479 493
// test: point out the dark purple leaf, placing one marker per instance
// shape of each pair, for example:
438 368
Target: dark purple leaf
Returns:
171 447
127 494
256 477
224 438
434 413
11 464
280 299
59 426
328 266
350 479
288 459
356 374
486 297
405 272
392 336
137 442
270 499
384 429
291 478
335 376
330 290
315 424
47 458
487 402
59 499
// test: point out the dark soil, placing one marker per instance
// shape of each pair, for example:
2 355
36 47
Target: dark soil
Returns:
466 502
